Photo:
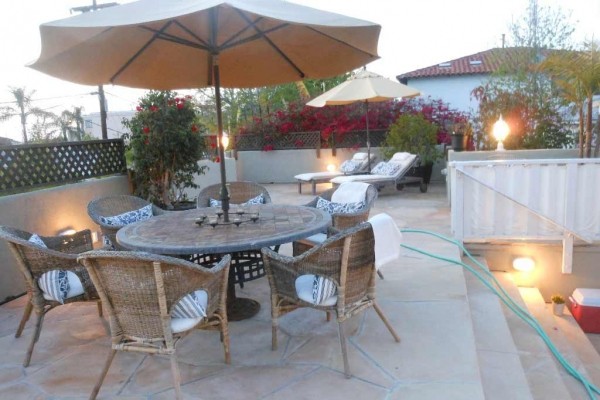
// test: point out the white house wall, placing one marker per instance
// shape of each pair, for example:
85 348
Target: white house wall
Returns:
455 90
115 128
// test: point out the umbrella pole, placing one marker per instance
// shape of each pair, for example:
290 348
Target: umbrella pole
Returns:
368 138
224 192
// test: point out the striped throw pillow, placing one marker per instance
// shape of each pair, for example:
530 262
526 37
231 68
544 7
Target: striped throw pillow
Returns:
192 305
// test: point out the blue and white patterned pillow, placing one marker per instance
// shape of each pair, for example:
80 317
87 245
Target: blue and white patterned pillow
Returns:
35 239
260 199
383 168
339 208
192 305
349 166
55 284
129 217
108 244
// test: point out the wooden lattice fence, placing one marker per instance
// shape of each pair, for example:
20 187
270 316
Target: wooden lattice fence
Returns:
29 166
308 140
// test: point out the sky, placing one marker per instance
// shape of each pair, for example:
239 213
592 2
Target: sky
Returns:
414 34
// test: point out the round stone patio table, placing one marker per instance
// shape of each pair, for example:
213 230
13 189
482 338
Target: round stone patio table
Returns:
177 233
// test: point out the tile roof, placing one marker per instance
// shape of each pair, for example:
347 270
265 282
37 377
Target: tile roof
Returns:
484 62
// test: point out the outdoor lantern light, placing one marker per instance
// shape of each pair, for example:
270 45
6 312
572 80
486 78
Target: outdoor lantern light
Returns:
500 132
330 167
225 141
524 264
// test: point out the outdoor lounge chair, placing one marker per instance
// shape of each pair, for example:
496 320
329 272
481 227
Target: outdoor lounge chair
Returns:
153 301
336 276
52 275
111 213
384 173
358 164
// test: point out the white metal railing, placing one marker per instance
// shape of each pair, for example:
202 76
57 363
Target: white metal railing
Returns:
551 199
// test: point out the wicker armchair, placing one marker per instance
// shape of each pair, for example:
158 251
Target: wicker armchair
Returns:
239 192
347 259
114 205
140 290
33 261
340 221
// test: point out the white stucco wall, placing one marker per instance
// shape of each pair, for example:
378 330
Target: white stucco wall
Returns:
454 90
48 212
115 128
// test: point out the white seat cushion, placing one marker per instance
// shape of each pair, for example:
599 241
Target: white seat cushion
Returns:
316 238
189 311
183 324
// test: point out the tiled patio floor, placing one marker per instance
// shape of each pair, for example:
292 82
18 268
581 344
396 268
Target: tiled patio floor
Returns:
425 301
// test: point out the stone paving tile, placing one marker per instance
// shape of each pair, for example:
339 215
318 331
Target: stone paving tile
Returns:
434 390
327 384
424 354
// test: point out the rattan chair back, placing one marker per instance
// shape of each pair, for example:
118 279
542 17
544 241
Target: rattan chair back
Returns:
346 220
33 261
110 206
347 259
140 289
239 192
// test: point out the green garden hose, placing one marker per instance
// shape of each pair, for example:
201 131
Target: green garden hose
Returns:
488 279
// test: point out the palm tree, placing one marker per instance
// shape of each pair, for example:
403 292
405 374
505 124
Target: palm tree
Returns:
22 108
577 76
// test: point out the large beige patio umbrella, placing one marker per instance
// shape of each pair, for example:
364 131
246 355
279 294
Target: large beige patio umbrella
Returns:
181 44
367 87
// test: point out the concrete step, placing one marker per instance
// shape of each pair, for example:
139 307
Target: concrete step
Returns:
500 366
541 370
570 341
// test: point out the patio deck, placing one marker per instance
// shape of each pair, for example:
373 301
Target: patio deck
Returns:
439 357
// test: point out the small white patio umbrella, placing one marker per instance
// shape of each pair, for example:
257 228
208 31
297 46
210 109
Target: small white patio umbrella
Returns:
182 44
367 87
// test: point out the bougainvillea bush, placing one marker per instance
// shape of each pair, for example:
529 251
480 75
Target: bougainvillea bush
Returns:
338 120
166 143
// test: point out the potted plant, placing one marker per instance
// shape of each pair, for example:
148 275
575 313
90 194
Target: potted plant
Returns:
558 304
165 145
412 133
460 134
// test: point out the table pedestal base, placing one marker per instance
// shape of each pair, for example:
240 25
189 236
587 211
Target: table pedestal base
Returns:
241 308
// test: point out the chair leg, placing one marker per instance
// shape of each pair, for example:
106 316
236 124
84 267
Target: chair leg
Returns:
344 350
386 322
36 335
274 325
225 341
109 360
99 305
176 376
25 318
327 316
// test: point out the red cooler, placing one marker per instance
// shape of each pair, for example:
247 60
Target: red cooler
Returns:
585 307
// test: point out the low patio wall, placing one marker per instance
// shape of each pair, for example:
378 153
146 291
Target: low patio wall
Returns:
48 212
280 166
